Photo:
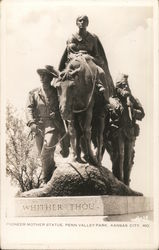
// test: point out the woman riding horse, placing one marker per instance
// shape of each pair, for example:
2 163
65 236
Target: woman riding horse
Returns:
87 43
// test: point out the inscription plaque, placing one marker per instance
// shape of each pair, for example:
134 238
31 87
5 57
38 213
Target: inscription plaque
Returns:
81 206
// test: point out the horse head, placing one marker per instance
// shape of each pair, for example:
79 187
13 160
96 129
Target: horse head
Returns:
75 87
65 91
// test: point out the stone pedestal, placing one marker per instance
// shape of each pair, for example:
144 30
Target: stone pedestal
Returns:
81 206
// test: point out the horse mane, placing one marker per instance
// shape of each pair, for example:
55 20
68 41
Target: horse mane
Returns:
78 62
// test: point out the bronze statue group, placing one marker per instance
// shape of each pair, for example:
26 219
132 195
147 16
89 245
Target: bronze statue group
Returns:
98 112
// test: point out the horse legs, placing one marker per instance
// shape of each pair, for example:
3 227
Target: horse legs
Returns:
73 141
75 136
79 143
87 137
100 131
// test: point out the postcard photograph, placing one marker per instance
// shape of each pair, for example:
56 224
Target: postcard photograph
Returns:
79 119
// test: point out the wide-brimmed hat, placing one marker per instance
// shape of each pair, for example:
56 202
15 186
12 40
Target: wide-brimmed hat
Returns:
48 70
121 78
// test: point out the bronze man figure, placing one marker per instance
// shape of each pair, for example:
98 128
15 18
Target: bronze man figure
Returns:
124 111
44 120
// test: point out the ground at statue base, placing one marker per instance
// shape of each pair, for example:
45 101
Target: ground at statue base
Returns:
82 206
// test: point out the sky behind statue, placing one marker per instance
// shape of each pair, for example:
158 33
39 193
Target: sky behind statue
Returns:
36 35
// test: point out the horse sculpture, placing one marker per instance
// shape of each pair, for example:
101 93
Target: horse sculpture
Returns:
76 91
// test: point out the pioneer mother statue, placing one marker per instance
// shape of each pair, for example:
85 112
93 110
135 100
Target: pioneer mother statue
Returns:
83 86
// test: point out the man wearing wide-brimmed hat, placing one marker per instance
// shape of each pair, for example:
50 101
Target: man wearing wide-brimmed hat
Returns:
44 120
124 111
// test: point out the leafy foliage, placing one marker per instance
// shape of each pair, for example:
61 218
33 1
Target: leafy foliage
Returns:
23 162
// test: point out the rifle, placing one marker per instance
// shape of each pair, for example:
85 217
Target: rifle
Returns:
128 103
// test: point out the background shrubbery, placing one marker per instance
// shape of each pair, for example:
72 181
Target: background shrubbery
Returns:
23 164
